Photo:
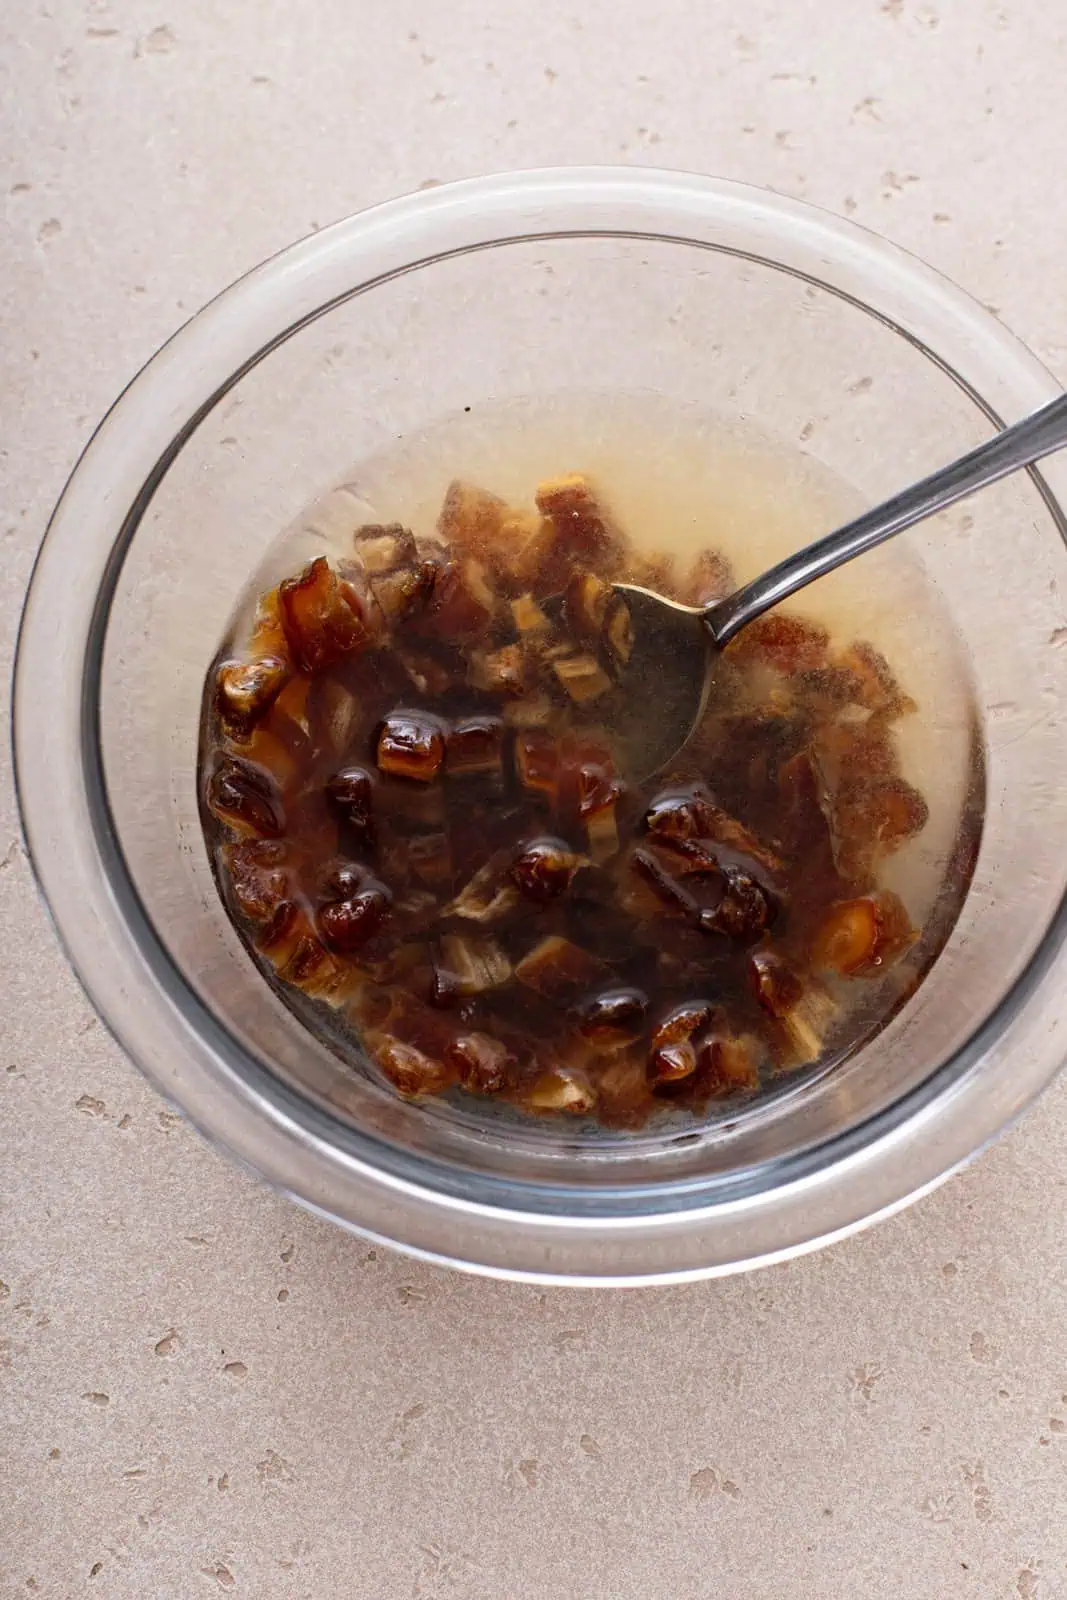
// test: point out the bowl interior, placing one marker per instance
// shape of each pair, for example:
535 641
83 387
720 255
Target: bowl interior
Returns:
568 342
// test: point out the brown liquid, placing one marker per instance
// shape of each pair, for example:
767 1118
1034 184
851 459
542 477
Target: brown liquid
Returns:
425 830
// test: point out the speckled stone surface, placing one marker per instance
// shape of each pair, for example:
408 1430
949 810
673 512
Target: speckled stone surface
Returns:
203 1389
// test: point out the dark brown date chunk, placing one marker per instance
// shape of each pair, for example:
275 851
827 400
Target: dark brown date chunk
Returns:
744 911
411 745
257 876
614 1018
545 869
729 1065
352 793
474 748
484 1065
322 616
669 1063
246 690
246 797
859 936
419 817
776 985
411 1071
347 925
792 644
557 969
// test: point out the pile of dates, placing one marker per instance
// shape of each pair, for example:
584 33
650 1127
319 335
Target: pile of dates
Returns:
412 798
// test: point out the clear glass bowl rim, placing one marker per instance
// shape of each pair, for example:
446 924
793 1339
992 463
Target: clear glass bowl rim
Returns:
627 1237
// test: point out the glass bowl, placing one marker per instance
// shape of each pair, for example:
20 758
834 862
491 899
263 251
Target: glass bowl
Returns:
541 285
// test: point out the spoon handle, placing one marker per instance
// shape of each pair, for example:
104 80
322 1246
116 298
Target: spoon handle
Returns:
1018 446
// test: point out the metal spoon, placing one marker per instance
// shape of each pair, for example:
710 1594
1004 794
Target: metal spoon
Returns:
668 677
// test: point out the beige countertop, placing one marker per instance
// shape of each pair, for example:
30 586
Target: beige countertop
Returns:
201 1387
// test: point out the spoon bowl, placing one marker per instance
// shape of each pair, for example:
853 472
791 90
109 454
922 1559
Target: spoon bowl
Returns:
664 686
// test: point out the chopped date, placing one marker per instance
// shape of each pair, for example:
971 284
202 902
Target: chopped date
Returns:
851 752
805 804
535 710
246 797
669 1063
656 570
682 1023
352 793
484 1065
572 531
322 616
545 869
268 635
470 966
402 593
586 600
777 987
566 1089
558 969
472 519
488 896
583 530
505 671
347 925
411 744
710 578
246 690
619 632
410 1070
585 782
602 832
539 566
340 880
411 808
671 895
688 813
310 967
474 748
427 673
624 1093
257 876
284 928
614 1018
462 603
808 1024
411 788
537 762
298 957
589 782
569 495
873 817
279 746
729 1064
790 644
835 685
582 676
695 832
860 937
333 714
745 910
430 856
896 811
412 1021
528 617
876 684
381 547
